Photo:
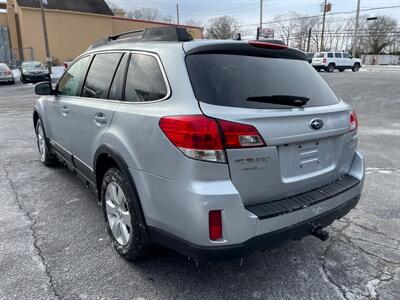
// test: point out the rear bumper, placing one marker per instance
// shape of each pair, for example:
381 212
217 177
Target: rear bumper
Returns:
6 78
177 214
261 242
317 66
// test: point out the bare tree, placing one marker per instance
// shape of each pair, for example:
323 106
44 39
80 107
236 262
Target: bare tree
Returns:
145 13
222 28
168 19
285 26
193 22
381 33
300 35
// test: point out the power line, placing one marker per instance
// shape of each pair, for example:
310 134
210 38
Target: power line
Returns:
331 14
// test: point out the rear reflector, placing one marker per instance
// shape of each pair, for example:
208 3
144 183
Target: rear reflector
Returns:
353 121
204 138
215 224
267 45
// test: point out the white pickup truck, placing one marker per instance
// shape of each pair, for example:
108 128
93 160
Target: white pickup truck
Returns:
329 61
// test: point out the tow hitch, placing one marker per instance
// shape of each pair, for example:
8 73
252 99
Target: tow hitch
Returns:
320 233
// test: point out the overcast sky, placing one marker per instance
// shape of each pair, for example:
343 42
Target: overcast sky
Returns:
247 11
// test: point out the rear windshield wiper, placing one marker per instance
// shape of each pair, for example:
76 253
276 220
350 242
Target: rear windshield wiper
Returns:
281 99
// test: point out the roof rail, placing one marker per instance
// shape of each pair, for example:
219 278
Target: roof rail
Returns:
170 33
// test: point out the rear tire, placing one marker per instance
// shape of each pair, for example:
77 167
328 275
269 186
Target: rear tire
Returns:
330 68
120 216
356 67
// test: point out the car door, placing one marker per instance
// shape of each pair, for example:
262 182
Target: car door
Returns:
93 111
339 59
58 107
347 60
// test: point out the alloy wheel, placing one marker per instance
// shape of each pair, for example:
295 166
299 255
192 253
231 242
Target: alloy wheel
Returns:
41 143
118 215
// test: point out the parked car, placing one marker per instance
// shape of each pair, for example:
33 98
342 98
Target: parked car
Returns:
34 71
6 74
329 61
215 149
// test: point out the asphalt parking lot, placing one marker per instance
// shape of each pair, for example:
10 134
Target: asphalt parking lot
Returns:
53 242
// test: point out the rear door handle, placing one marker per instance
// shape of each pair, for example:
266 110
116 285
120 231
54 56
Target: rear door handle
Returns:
100 119
64 110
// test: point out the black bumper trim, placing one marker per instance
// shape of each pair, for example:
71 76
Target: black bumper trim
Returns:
265 241
300 201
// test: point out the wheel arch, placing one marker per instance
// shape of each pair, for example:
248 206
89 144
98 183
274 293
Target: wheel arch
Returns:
36 117
105 157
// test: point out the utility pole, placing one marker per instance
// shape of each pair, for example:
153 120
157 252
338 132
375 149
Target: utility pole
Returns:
46 40
309 40
177 13
261 13
323 26
354 51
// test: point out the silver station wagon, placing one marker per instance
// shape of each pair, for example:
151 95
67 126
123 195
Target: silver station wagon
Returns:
216 149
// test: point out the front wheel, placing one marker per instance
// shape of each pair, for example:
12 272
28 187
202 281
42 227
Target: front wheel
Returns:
120 216
45 157
356 67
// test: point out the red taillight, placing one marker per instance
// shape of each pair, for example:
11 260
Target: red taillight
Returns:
65 66
353 121
238 135
195 135
204 138
324 61
215 224
267 45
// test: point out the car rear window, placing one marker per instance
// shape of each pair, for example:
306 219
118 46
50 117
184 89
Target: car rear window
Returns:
319 55
230 80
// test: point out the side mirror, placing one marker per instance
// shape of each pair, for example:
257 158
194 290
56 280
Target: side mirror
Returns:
44 88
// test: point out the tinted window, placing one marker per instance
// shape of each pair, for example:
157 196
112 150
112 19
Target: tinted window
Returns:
100 75
346 55
330 55
319 55
229 80
71 80
118 82
338 55
144 81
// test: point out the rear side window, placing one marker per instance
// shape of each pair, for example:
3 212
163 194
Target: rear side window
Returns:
117 87
71 81
330 55
100 75
144 81
338 55
230 80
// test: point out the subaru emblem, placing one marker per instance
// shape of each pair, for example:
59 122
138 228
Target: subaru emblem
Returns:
316 124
